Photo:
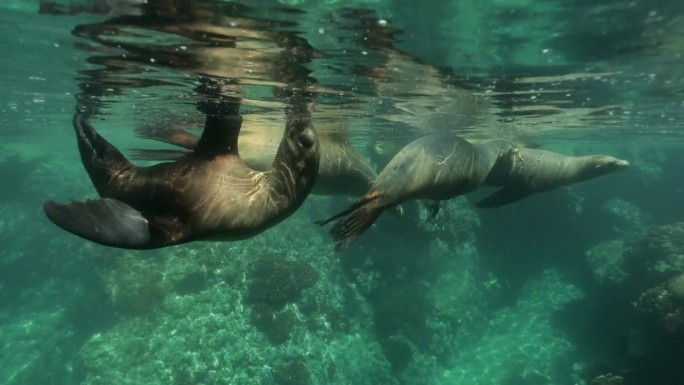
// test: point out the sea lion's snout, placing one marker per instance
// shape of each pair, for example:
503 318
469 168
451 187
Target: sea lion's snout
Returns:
307 139
607 165
616 164
621 164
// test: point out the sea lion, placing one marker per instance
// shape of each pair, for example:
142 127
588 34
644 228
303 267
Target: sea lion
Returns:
527 171
208 194
434 167
342 171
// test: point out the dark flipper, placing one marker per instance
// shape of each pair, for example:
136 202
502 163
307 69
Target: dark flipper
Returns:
100 158
502 197
221 130
351 227
104 221
358 203
91 144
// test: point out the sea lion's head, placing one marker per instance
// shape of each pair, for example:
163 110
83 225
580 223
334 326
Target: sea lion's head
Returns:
300 150
603 165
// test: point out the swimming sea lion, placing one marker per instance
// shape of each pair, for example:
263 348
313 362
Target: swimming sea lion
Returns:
527 171
208 194
435 167
342 171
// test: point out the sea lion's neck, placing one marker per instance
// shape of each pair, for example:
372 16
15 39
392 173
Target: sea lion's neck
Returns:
551 168
293 172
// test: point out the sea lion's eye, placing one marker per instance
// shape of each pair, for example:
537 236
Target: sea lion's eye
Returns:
306 140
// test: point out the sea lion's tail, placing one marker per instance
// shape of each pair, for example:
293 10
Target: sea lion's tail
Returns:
359 217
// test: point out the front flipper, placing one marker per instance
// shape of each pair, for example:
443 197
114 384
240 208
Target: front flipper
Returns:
502 197
221 130
105 221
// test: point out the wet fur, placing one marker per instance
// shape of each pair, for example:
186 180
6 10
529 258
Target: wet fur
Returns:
529 171
342 172
434 167
208 194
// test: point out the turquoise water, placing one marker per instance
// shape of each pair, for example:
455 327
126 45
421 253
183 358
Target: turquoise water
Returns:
549 290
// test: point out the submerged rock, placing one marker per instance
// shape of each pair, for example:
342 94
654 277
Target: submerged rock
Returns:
644 259
277 281
398 352
277 326
607 261
630 215
665 304
292 373
608 379
137 284
659 253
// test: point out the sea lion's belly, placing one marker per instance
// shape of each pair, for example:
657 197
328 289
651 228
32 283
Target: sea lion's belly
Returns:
209 199
231 200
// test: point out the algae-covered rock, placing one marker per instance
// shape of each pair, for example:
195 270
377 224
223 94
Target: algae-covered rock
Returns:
630 215
665 304
138 282
292 373
608 379
607 262
659 253
277 281
398 352
276 325
518 344
649 256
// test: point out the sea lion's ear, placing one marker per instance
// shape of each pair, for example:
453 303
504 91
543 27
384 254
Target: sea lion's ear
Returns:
105 221
220 136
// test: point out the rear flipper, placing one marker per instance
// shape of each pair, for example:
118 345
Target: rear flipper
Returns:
502 197
105 221
91 144
359 217
350 228
99 157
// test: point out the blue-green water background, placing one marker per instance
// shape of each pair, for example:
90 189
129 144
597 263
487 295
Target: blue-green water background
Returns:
506 296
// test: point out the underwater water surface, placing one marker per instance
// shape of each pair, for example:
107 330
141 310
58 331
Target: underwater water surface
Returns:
579 285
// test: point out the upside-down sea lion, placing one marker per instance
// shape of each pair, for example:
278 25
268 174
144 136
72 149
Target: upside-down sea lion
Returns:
434 167
208 194
527 171
342 171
